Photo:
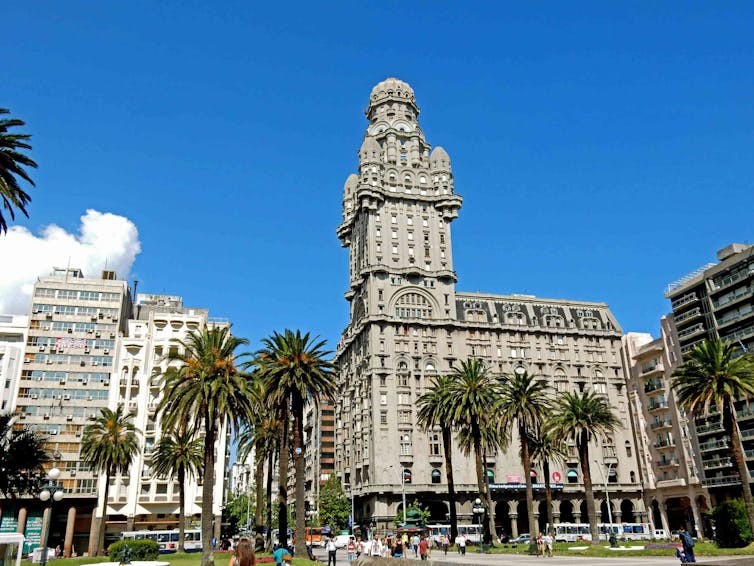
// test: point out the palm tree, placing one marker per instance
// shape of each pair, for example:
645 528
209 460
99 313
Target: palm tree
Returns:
109 445
546 448
207 389
294 369
179 454
474 397
22 457
714 373
581 416
433 411
262 436
524 403
12 163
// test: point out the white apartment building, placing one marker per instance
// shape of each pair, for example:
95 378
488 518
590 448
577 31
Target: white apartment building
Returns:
13 332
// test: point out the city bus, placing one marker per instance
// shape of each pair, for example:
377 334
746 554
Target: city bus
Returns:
473 533
168 540
574 532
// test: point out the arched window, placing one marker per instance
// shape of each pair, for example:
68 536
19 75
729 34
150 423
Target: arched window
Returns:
573 476
632 475
490 476
406 475
413 305
612 476
554 320
436 476
402 366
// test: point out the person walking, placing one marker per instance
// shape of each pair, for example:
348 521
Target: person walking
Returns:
331 549
351 549
540 545
243 555
548 540
461 544
445 543
423 548
415 545
688 544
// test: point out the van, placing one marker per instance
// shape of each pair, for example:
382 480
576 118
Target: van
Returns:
661 534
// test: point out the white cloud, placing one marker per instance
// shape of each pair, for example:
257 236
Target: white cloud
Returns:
104 239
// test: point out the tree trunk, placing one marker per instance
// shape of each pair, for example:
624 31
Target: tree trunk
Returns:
583 445
268 495
481 476
181 509
447 446
730 423
283 483
548 496
208 484
526 461
259 502
103 520
298 461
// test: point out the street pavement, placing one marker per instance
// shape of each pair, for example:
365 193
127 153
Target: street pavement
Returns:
620 559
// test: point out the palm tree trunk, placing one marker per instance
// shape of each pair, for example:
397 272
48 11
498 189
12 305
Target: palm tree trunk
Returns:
526 461
268 494
730 423
447 446
181 509
298 461
283 483
481 476
208 483
103 519
548 495
583 443
259 502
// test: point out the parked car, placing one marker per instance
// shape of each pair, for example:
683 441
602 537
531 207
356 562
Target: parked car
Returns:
661 534
521 539
341 541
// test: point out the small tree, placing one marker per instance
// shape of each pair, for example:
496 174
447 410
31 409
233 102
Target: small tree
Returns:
413 509
334 506
22 455
732 529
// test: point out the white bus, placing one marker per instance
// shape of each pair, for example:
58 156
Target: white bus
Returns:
473 533
168 540
573 532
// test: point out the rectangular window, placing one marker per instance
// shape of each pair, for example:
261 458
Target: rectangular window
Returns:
425 222
410 220
378 233
393 219
410 235
383 417
404 417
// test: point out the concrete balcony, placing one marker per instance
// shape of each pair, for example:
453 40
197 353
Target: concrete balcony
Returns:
714 445
657 405
719 481
658 425
712 463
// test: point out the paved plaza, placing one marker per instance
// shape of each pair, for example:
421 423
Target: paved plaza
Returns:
621 559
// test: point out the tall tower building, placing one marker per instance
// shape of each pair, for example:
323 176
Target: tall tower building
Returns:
408 324
74 324
717 301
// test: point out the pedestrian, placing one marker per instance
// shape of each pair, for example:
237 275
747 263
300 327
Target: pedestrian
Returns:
243 555
281 555
445 543
351 549
461 544
397 550
540 545
680 554
331 549
214 543
375 549
386 545
415 545
423 546
688 544
359 546
548 540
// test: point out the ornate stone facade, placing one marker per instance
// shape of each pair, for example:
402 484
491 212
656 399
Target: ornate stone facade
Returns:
408 323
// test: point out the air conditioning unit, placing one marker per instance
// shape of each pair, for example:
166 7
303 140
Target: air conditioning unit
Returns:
94 317
83 363
69 417
73 472
90 330
35 311
84 381
106 351
49 362
54 431
100 316
70 331
94 363
59 397
21 415
106 382
42 348
86 350
45 328
115 319
89 398
112 335
27 360
92 415
48 316
34 396
39 378
47 416
66 397
97 334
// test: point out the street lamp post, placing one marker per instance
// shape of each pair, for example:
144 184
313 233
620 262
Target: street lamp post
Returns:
607 500
403 489
51 491
478 510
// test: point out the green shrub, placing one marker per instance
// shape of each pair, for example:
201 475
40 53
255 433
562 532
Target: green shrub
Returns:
732 529
140 549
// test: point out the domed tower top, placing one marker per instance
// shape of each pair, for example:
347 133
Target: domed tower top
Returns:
391 90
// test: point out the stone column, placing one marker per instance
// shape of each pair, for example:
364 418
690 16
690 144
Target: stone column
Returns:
697 518
514 524
218 525
69 528
617 516
664 515
555 517
130 522
21 520
46 526
93 532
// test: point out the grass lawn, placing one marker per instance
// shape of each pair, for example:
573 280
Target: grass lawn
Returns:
187 559
562 549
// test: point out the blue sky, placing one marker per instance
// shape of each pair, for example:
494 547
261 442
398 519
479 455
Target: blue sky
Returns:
603 150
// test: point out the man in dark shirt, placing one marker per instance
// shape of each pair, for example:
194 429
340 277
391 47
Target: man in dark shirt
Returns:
688 545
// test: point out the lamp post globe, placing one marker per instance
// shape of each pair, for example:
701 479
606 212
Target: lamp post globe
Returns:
53 474
45 495
58 495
